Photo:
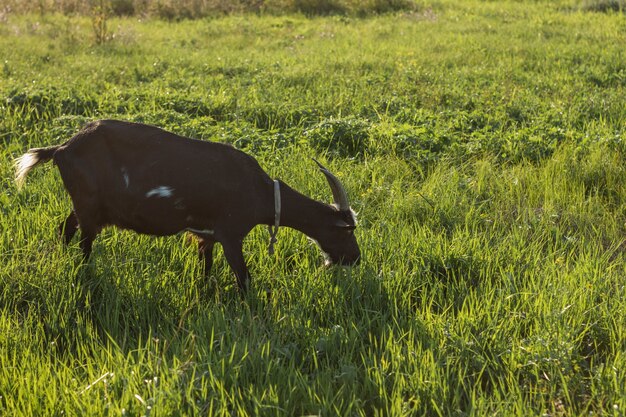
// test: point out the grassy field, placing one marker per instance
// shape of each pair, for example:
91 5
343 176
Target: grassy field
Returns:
482 144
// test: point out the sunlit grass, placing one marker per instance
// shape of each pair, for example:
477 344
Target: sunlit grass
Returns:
482 146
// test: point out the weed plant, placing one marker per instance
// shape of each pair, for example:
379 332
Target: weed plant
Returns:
481 143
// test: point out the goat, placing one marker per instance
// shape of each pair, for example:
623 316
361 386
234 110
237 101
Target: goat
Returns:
143 178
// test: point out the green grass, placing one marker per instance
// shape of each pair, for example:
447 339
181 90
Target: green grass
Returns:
194 9
482 144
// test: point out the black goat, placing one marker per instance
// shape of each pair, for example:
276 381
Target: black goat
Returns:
151 181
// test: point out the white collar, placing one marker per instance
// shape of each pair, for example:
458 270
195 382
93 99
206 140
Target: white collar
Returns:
274 229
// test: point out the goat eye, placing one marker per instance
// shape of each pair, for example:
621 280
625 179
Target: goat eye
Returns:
349 230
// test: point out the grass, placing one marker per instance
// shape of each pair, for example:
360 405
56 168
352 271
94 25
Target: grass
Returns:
194 9
482 144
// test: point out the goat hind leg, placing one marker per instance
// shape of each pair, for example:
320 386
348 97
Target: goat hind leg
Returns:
89 227
205 251
68 228
86 242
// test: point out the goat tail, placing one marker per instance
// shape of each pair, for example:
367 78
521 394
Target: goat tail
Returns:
31 159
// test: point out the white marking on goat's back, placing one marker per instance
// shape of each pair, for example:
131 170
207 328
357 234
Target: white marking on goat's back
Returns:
23 165
161 191
126 177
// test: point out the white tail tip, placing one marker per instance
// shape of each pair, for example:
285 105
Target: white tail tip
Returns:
23 165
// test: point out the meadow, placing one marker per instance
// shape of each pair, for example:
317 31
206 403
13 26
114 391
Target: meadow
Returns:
482 145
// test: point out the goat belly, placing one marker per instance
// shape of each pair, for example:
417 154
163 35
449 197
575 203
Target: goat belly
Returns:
159 217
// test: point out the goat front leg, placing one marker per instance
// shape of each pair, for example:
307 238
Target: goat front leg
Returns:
233 251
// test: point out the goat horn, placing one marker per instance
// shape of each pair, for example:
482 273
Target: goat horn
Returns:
339 193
